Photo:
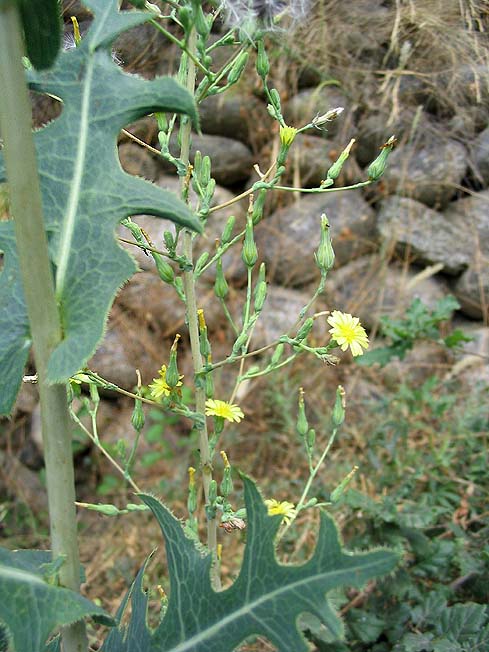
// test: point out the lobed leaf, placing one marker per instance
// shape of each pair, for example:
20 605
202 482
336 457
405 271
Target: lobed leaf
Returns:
85 193
266 599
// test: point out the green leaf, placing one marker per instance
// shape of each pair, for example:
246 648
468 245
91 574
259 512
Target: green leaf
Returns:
41 20
266 599
456 337
85 194
31 607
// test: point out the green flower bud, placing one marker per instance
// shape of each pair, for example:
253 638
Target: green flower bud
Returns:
240 342
262 62
192 491
106 510
162 121
277 354
302 423
340 489
335 169
250 252
227 482
258 206
185 17
228 230
209 385
201 261
377 168
205 345
164 269
238 67
137 418
205 172
339 407
275 100
305 329
221 288
212 492
201 26
172 376
324 256
169 240
260 295
311 439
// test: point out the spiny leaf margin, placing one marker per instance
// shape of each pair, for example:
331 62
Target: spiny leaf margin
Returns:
266 599
85 193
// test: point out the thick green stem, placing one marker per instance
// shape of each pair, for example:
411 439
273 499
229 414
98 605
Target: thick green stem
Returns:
25 196
193 327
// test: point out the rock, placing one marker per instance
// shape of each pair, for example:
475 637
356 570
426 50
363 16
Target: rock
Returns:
304 106
472 363
280 313
480 157
369 288
27 398
146 129
472 214
140 50
472 290
157 308
238 116
45 109
374 130
22 483
125 348
231 160
314 156
136 160
288 239
421 362
430 173
426 236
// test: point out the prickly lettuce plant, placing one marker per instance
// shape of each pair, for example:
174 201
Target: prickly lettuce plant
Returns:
84 194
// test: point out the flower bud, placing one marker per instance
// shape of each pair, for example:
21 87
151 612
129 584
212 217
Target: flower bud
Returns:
201 261
377 168
227 482
275 100
249 254
169 240
258 205
228 230
335 169
164 269
238 67
340 489
185 18
212 492
302 423
329 116
209 385
305 329
137 418
324 256
172 376
260 295
205 172
262 62
192 491
277 354
339 407
221 288
201 25
240 342
311 439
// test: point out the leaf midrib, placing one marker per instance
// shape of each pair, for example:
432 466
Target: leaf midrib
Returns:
214 629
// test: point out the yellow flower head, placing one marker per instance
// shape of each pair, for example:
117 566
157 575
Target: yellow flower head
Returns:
287 135
348 332
287 510
222 409
159 387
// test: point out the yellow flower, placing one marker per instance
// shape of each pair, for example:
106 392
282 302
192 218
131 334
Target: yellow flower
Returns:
222 409
287 135
159 387
287 510
348 332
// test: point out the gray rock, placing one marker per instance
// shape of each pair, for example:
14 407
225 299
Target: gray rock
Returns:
472 290
480 156
235 115
315 155
288 239
146 129
426 236
231 160
304 106
472 362
140 50
430 174
280 313
136 160
369 288
158 310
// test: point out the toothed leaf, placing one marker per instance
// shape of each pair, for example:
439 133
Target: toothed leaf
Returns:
266 599
31 607
85 193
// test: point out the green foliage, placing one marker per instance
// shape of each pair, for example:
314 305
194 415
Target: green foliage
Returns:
41 21
31 603
85 194
266 598
418 323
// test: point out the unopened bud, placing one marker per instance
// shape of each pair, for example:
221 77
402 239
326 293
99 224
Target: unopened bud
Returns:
305 329
250 252
221 287
339 407
137 418
164 269
329 116
335 169
377 168
172 376
324 256
228 230
340 489
302 423
277 354
262 62
237 69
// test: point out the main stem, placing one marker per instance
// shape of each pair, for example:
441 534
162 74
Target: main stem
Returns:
193 327
32 247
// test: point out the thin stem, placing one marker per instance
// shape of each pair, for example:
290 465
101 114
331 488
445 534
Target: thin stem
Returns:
244 194
188 50
35 267
193 327
318 191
